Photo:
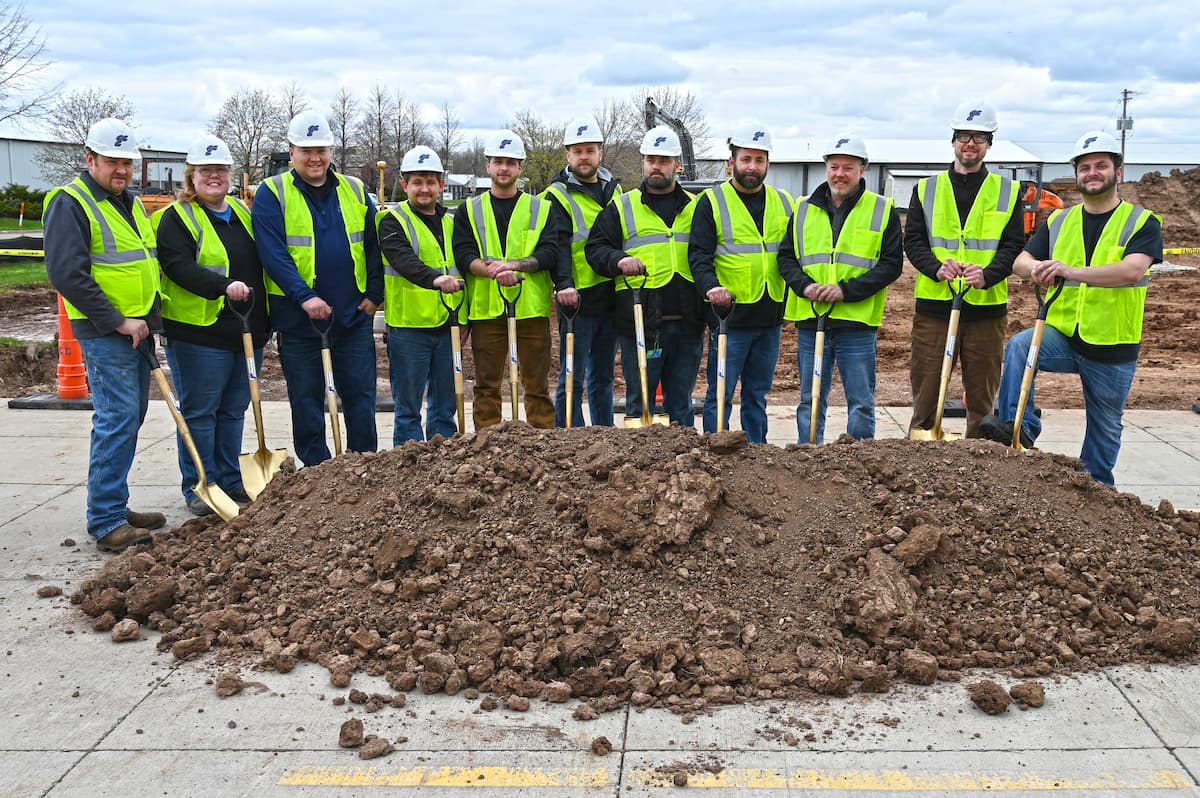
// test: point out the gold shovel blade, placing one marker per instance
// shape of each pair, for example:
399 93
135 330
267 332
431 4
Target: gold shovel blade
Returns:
217 499
259 467
935 434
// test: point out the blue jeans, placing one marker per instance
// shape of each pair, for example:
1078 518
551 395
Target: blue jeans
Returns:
119 379
673 358
750 356
595 365
353 358
1105 390
420 359
853 352
213 391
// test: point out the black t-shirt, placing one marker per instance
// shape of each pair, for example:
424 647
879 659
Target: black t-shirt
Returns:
1146 241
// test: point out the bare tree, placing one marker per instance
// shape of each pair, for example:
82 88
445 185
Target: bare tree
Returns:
621 140
543 148
249 122
373 132
447 137
470 159
68 121
407 131
673 101
292 100
342 112
21 48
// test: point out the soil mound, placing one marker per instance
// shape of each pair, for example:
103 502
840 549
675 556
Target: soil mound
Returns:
661 567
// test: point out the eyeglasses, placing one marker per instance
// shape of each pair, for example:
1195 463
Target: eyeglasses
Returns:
962 137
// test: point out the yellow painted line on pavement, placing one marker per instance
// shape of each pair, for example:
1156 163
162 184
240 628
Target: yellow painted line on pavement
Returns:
913 781
446 777
30 253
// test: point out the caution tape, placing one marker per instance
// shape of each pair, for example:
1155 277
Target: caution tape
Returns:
29 253
1181 251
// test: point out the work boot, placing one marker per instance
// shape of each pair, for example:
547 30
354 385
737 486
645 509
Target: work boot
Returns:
122 538
997 429
197 506
145 520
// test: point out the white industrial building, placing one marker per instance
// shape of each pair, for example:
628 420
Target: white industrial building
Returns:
158 170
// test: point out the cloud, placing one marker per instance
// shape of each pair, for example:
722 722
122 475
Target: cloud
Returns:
637 66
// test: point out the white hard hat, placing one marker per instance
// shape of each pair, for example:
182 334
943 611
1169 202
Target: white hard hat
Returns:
974 115
846 145
752 137
114 138
1096 141
309 129
421 159
208 149
583 130
661 140
505 144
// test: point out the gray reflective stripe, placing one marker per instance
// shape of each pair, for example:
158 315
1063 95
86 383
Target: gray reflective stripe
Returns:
358 238
984 244
479 222
217 268
390 270
1054 229
927 208
724 217
535 208
299 241
114 258
1130 225
106 233
357 187
413 241
630 220
813 260
280 192
1005 195
650 238
944 243
877 214
787 204
191 214
578 221
741 249
683 238
856 260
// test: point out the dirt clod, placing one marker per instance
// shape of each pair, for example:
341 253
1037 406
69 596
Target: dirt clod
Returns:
49 591
375 747
351 734
1029 694
125 630
229 683
601 746
989 696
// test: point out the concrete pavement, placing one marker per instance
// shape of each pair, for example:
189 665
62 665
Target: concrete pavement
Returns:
83 716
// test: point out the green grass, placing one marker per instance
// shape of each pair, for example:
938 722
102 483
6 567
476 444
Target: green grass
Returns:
27 271
11 224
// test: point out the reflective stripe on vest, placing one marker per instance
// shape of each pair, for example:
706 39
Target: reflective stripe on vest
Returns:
124 258
857 252
645 236
975 242
745 259
525 226
180 304
1102 316
583 216
407 304
298 226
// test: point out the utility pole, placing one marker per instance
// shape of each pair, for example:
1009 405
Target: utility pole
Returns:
1125 122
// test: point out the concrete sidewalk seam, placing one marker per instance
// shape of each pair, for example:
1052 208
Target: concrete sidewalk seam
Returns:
1171 751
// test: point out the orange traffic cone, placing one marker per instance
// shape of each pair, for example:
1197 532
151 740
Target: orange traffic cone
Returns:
72 375
658 397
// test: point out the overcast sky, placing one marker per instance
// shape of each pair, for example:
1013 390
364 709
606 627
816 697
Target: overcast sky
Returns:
1052 68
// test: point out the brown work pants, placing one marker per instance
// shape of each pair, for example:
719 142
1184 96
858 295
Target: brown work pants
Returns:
979 353
489 348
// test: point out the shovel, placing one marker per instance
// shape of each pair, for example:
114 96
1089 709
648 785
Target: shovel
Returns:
212 495
510 310
456 348
722 346
639 327
330 388
569 359
936 434
818 368
1039 329
260 466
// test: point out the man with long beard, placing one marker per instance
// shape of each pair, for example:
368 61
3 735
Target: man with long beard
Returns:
1102 251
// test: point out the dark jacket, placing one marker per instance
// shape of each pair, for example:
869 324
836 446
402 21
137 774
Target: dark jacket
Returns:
597 300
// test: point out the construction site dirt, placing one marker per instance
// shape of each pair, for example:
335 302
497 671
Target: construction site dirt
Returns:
660 567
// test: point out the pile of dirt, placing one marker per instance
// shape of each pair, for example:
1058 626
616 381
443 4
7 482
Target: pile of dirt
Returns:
660 567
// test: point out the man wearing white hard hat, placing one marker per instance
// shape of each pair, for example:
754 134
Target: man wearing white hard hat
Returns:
1101 250
842 249
503 237
577 194
733 250
206 250
963 230
315 231
100 255
416 238
640 239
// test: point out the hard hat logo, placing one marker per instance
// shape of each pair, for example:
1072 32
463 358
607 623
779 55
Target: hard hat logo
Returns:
423 157
658 142
579 130
210 149
758 134
312 129
120 140
1089 141
840 142
974 113
505 142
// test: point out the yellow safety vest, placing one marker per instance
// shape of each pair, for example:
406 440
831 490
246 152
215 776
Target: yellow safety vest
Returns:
407 304
124 257
975 242
644 235
1102 316
856 253
745 259
179 303
298 226
529 218
583 210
